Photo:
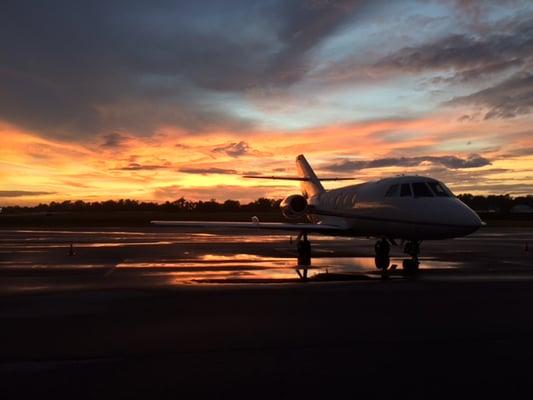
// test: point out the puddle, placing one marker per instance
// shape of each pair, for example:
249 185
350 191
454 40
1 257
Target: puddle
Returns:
254 267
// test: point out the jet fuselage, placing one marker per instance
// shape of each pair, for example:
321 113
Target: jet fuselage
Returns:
404 207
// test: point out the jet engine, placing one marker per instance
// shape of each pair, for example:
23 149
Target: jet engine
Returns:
294 206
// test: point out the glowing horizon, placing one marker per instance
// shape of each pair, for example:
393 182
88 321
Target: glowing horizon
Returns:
156 103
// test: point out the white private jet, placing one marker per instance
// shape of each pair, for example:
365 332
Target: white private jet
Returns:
409 209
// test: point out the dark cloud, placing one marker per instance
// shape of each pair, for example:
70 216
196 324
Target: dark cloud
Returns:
114 140
78 184
452 162
75 70
468 56
478 15
238 149
22 193
465 118
511 98
503 45
306 24
205 171
143 167
72 70
526 151
474 178
233 149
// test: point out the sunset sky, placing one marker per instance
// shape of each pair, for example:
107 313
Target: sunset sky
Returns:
155 100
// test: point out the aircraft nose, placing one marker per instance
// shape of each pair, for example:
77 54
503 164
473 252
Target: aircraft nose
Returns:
471 220
476 221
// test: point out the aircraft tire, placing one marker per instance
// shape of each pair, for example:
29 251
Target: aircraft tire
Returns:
382 258
410 266
382 262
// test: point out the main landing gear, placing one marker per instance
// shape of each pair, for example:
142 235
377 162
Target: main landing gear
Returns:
382 258
303 246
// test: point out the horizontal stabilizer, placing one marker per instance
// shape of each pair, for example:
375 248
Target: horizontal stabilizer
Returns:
295 178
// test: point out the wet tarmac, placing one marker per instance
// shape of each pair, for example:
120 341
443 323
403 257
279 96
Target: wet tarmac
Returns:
50 260
165 313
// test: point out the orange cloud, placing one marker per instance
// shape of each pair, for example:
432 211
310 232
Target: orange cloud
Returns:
168 163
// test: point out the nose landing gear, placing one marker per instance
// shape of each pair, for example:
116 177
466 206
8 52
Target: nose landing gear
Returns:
382 259
410 266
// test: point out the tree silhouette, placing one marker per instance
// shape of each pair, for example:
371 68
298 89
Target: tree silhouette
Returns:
491 203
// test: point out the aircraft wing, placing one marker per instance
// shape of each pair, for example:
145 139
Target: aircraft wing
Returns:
279 226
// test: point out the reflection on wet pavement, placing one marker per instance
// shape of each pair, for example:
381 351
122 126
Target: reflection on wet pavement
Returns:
210 266
41 259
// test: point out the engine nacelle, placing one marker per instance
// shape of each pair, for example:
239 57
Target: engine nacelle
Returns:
294 206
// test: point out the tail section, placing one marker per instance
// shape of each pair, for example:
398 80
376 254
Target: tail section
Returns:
310 183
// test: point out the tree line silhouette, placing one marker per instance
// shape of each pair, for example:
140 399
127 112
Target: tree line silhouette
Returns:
181 204
490 203
495 203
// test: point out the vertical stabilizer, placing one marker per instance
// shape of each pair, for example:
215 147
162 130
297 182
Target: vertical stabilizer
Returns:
311 186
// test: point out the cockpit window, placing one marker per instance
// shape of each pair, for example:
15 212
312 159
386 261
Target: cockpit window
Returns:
447 189
392 191
420 189
438 189
405 190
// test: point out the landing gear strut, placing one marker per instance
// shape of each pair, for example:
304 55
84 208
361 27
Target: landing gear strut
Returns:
303 247
410 266
382 258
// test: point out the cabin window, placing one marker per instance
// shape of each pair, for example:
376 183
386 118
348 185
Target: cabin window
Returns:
392 191
405 190
438 189
347 200
343 200
420 189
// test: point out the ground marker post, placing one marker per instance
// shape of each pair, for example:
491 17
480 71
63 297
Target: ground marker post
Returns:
71 249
